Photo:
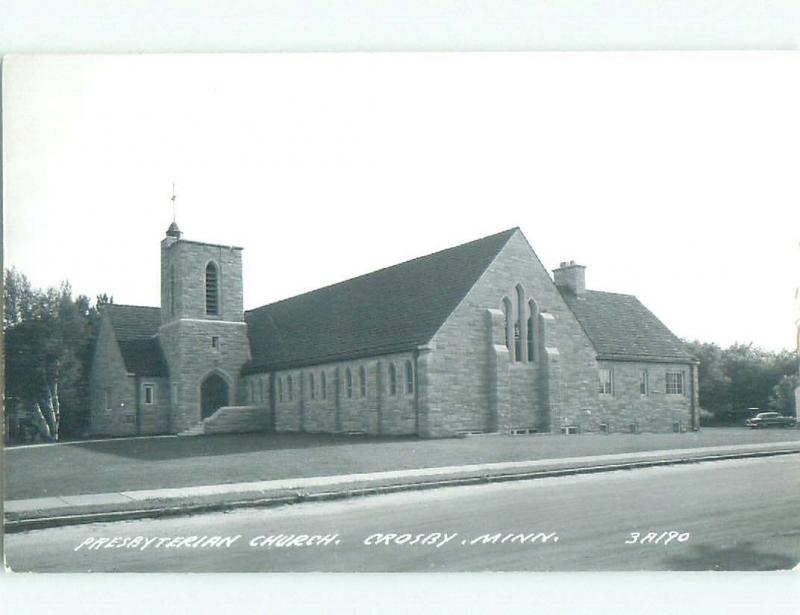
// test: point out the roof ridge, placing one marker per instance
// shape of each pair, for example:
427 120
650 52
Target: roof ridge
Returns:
509 232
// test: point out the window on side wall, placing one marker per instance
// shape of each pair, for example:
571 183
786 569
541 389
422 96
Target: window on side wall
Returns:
392 379
323 384
107 399
362 381
212 290
311 386
149 394
644 382
675 383
606 382
409 378
290 388
349 382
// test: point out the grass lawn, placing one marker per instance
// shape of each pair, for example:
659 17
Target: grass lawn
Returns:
152 463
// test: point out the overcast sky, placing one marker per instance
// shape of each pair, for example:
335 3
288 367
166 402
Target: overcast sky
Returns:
672 176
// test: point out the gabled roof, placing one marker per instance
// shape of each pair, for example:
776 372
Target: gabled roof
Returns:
621 328
390 310
135 328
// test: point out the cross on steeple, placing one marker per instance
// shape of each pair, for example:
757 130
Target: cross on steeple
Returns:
172 198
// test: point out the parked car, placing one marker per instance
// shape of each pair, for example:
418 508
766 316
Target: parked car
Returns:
770 419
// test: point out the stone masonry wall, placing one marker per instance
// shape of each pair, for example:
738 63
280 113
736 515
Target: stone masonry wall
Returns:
188 350
188 261
377 411
461 370
626 406
109 375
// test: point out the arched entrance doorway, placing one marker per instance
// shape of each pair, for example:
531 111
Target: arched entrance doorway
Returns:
213 395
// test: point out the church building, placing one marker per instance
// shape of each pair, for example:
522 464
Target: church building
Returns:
478 338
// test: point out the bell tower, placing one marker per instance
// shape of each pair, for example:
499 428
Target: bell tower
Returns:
203 334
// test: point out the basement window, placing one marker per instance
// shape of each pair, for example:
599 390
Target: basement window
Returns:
569 430
604 428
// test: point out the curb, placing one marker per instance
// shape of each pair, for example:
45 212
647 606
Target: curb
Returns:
298 497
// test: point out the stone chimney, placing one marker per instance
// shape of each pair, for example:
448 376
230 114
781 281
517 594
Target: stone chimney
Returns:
571 277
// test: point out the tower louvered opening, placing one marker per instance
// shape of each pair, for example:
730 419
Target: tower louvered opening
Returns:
212 290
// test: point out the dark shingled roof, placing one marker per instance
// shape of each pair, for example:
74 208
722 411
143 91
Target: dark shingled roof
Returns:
620 327
390 310
135 328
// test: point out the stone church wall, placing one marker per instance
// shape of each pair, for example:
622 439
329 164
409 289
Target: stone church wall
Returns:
462 371
626 406
110 377
340 410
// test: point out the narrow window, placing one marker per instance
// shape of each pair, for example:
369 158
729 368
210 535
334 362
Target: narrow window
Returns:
149 394
349 382
362 381
212 290
606 383
409 378
392 379
518 326
261 390
280 389
533 320
324 385
311 385
644 382
252 392
107 399
675 384
175 394
289 388
215 342
509 334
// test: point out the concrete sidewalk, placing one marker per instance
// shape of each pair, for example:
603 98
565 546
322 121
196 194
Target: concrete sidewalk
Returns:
24 514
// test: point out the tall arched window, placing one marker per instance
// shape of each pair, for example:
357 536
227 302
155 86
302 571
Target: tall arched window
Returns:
520 326
392 379
508 314
533 323
409 378
323 384
311 386
362 381
349 382
212 290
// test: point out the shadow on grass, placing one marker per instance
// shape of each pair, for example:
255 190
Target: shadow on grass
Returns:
743 556
161 449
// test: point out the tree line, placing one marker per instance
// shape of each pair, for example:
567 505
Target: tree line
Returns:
49 338
737 381
48 342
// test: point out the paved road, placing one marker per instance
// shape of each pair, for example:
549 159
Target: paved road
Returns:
730 515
